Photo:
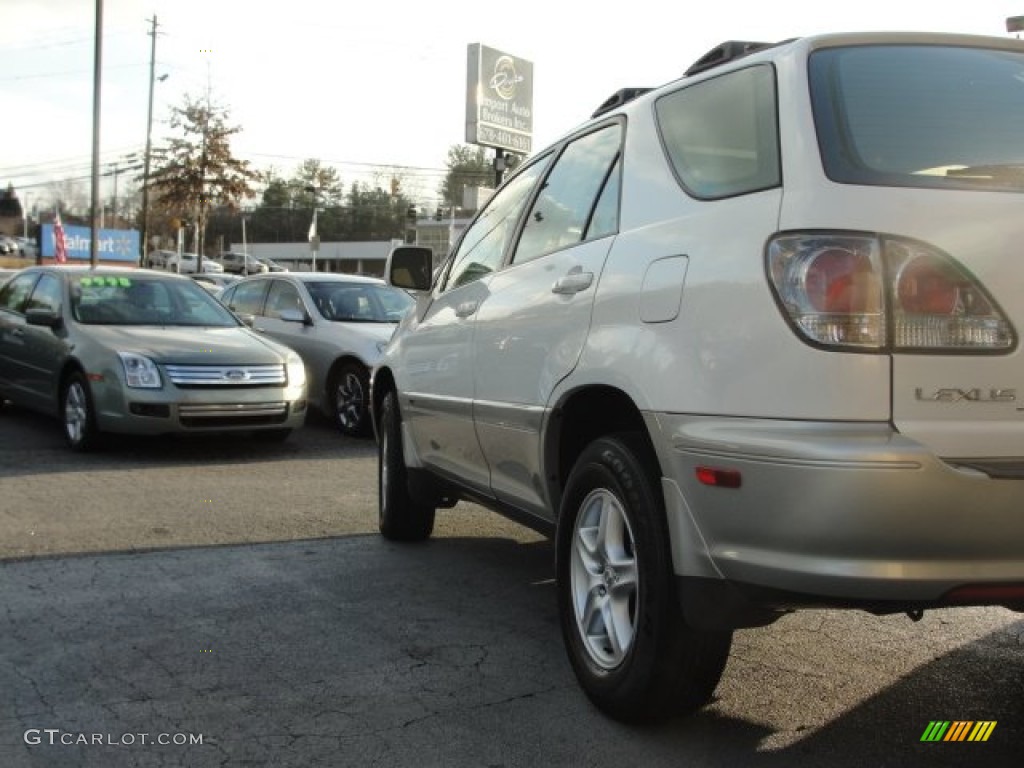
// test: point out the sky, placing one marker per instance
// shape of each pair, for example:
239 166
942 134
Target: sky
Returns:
371 88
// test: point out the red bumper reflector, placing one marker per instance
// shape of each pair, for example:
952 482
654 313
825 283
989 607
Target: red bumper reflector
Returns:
720 478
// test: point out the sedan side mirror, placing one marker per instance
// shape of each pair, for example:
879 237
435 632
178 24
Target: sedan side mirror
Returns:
294 316
44 317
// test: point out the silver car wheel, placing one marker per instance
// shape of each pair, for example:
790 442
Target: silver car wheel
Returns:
604 579
350 401
76 413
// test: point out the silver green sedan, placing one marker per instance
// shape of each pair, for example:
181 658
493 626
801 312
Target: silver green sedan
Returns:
136 351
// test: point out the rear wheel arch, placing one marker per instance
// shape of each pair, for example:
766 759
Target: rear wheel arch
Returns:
580 418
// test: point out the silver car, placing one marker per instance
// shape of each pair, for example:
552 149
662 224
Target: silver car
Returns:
744 343
142 352
338 324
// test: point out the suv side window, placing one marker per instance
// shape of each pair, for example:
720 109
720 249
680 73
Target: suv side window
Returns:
483 245
722 135
247 298
565 205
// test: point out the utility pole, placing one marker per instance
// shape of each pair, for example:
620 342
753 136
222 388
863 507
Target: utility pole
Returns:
94 240
149 145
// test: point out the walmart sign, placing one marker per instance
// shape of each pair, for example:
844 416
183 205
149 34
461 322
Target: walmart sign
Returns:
113 244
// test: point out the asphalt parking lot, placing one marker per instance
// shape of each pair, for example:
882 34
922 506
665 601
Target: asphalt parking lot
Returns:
234 601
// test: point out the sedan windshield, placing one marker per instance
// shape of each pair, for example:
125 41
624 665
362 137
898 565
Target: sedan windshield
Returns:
921 116
359 302
132 300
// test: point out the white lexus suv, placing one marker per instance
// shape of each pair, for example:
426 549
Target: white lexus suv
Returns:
744 343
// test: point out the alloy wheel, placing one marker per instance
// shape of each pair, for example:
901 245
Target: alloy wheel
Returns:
604 579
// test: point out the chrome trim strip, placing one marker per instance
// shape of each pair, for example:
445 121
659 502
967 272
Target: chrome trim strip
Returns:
220 410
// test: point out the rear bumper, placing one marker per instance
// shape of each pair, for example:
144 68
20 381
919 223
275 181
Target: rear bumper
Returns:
836 513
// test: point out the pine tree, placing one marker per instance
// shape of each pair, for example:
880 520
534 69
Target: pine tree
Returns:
196 169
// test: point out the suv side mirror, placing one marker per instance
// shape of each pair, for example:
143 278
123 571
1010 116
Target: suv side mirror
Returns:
410 267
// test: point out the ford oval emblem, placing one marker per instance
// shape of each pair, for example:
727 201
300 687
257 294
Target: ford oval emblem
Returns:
236 375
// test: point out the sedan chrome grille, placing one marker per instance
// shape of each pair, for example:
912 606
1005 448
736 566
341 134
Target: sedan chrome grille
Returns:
206 415
226 375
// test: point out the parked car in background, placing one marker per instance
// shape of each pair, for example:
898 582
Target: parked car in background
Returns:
142 352
27 248
214 283
242 263
337 323
744 343
8 246
158 259
187 264
272 266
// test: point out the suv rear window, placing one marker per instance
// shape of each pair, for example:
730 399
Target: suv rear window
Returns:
920 116
721 135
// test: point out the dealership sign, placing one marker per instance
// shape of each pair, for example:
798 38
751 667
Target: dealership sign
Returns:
499 100
113 244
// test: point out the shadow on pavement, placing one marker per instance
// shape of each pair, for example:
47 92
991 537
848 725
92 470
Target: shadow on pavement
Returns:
39 447
357 651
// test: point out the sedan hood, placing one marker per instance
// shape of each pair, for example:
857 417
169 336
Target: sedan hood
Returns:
191 345
370 331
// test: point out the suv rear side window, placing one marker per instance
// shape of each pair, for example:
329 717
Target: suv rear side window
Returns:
722 135
565 204
920 116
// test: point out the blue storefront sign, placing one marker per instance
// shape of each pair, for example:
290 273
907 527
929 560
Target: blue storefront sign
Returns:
113 244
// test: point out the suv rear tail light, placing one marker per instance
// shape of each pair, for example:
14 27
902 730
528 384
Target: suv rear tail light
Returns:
865 293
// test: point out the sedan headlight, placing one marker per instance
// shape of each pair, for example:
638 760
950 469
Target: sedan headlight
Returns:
140 372
296 371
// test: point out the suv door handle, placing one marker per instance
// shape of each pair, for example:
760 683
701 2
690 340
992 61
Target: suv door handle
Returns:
574 282
466 308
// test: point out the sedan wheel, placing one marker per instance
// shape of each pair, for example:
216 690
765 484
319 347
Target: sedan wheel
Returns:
350 391
79 418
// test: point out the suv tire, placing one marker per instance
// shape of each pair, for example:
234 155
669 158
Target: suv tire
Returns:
631 649
400 518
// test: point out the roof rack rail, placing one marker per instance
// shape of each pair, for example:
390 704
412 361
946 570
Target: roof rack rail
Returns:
617 99
726 52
